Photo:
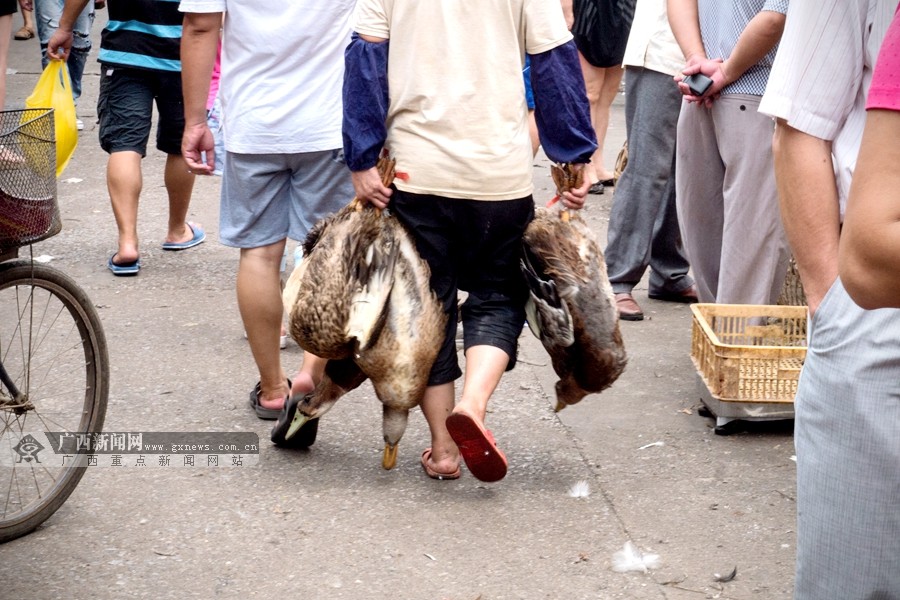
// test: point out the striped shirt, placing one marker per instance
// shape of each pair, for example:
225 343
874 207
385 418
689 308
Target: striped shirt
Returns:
821 76
721 24
144 34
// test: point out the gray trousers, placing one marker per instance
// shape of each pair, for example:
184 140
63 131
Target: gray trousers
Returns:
847 436
727 201
643 223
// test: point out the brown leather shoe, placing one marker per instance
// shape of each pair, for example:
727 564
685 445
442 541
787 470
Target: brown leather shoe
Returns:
686 296
629 310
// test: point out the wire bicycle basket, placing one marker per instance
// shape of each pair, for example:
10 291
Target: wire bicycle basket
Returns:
29 211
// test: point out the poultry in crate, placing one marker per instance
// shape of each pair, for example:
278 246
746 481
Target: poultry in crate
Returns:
571 307
361 298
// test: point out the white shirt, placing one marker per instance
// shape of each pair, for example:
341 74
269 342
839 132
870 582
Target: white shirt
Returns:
651 43
282 72
822 72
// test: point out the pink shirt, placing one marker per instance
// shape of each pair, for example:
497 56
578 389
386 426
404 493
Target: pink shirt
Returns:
214 82
885 89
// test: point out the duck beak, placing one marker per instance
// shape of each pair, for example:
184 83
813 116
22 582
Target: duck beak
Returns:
299 421
389 460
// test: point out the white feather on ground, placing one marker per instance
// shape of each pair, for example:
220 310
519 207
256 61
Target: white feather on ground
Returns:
629 558
581 489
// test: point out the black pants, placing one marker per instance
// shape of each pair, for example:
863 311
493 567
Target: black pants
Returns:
475 246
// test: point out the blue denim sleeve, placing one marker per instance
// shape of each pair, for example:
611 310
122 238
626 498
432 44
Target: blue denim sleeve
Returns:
562 112
365 96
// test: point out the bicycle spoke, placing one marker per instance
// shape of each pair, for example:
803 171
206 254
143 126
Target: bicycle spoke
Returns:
53 349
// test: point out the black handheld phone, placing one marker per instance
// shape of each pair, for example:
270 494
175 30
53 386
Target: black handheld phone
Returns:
698 83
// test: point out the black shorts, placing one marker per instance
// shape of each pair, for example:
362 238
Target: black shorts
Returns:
8 7
475 246
125 109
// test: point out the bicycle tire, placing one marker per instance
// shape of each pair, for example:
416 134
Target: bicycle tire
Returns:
50 306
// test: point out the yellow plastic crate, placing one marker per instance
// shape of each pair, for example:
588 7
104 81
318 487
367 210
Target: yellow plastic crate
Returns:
749 353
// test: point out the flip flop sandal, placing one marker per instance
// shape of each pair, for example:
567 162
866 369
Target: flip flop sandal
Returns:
124 269
269 414
426 456
304 438
477 447
197 238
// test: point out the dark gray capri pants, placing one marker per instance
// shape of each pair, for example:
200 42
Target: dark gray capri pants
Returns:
475 246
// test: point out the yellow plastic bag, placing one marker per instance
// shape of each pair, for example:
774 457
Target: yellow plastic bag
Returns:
54 90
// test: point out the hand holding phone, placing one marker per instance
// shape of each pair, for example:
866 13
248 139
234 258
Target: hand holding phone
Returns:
698 83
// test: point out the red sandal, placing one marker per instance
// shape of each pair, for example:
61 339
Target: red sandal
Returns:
477 447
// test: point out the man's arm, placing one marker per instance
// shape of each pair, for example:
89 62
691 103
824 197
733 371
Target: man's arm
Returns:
810 210
684 20
563 114
61 41
761 34
870 241
756 40
199 40
568 13
365 110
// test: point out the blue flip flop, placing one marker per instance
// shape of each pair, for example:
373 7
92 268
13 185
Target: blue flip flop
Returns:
199 236
124 269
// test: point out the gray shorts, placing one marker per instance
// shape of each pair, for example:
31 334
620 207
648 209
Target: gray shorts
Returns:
270 197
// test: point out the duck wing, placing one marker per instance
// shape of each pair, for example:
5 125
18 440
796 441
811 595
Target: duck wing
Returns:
373 261
548 316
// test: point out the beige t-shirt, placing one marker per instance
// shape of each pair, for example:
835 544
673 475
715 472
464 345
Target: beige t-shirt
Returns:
457 120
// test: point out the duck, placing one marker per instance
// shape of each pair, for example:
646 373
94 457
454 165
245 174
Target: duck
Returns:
362 298
571 307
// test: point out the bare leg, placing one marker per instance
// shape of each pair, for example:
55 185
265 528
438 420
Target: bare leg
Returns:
484 368
533 132
5 31
601 86
437 405
27 23
124 182
310 374
611 81
179 185
259 300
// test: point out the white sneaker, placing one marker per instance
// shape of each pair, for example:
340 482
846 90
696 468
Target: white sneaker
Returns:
79 124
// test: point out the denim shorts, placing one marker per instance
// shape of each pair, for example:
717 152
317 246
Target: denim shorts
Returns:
125 109
474 246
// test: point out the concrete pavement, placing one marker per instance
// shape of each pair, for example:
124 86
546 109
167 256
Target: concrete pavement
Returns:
329 522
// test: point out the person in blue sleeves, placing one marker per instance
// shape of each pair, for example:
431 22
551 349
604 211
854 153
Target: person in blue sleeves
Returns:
439 85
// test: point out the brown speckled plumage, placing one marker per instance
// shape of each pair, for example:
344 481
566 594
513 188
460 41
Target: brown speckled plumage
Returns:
572 309
362 299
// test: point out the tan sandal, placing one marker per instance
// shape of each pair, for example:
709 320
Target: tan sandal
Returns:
24 33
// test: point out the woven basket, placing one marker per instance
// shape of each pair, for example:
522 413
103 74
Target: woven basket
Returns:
749 353
28 208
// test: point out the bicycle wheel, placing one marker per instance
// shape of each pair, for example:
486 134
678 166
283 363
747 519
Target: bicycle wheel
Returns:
53 350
